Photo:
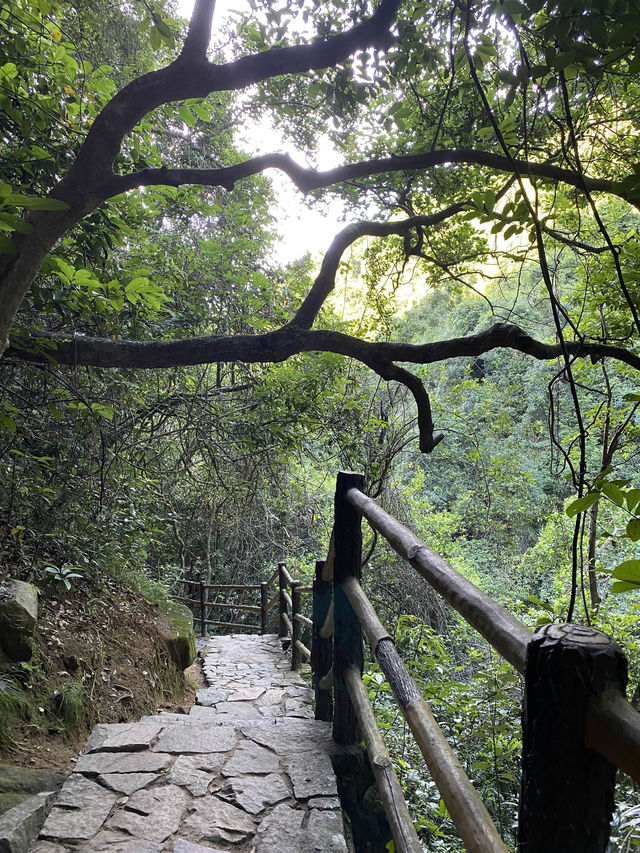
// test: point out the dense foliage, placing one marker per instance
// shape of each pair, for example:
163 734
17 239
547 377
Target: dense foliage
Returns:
175 399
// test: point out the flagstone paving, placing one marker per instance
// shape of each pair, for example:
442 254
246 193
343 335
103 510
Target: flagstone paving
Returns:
247 769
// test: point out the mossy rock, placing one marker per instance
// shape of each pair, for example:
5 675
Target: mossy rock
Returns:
176 628
18 617
19 783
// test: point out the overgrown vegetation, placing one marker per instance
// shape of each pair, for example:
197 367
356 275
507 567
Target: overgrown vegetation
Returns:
482 307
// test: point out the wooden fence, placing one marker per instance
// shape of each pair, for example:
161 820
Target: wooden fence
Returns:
288 615
577 725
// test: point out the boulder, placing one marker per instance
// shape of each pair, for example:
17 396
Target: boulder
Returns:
175 625
18 617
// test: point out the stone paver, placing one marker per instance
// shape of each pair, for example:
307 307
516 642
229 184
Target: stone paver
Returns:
248 770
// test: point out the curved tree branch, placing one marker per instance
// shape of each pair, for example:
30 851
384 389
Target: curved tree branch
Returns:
282 344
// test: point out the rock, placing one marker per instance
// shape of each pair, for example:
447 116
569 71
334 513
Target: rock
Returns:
21 824
181 845
195 738
118 842
80 810
18 617
324 803
175 625
239 710
253 793
247 694
285 735
210 695
280 831
211 819
123 736
186 774
311 775
100 763
250 757
127 783
18 783
325 832
152 815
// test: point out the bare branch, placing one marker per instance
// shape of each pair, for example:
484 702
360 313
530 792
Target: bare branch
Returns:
283 343
307 180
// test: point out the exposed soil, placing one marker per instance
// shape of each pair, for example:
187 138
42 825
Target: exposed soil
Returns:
96 659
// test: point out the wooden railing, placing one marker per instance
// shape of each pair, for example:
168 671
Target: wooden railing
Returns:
577 725
288 616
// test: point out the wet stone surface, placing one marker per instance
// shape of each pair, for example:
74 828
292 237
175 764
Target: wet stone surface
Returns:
248 769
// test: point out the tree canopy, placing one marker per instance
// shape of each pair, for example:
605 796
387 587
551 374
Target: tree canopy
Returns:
479 139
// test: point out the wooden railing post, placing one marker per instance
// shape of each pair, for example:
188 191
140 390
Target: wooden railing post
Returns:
296 658
321 649
282 604
263 607
203 608
567 790
347 634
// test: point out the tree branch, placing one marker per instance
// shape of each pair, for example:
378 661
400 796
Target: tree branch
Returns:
307 180
282 344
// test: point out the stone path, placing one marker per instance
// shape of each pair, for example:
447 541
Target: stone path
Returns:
248 769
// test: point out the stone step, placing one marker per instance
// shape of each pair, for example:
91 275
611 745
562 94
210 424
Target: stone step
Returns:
245 770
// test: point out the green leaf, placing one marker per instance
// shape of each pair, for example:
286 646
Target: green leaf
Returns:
633 529
32 202
7 423
623 586
583 503
613 493
628 570
7 246
633 496
540 603
14 223
187 116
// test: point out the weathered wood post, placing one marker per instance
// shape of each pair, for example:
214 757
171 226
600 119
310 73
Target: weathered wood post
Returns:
567 789
321 648
282 604
263 607
203 608
347 634
296 658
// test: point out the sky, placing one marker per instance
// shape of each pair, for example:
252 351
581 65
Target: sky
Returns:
303 230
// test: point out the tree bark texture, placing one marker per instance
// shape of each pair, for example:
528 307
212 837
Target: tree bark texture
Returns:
567 789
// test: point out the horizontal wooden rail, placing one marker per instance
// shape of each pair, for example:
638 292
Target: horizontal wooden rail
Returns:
229 605
613 730
186 600
306 589
303 620
238 586
613 725
463 803
304 651
244 625
404 835
499 627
